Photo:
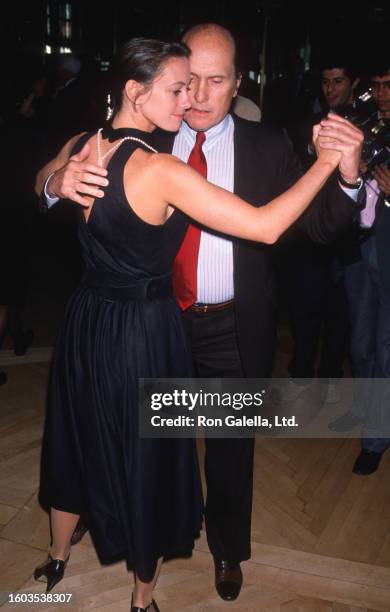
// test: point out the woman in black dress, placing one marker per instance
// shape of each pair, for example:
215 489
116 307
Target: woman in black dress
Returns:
142 497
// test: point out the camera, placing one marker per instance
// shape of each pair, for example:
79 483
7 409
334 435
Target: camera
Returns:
376 146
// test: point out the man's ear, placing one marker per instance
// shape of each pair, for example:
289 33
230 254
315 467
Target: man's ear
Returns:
238 83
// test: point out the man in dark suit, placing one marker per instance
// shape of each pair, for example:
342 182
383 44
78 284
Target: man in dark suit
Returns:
231 322
368 288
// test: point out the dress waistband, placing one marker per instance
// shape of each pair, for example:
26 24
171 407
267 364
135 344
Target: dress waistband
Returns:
117 287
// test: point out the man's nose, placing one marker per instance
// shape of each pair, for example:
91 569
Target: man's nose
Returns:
201 92
329 88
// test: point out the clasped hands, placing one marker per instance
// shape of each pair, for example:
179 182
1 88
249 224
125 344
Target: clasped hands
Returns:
343 141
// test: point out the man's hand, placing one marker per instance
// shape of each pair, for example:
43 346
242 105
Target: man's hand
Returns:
382 176
339 134
78 178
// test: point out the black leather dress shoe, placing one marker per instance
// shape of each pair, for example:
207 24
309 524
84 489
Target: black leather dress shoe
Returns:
228 579
367 462
346 422
80 530
3 378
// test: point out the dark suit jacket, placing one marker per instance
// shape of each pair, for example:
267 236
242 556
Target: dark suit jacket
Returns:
264 167
382 226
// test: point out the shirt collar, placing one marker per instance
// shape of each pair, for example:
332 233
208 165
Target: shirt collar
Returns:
212 135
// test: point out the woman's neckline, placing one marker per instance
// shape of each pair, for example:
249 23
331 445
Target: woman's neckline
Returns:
113 134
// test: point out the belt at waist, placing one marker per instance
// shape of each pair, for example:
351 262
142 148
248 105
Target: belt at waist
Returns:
211 307
120 288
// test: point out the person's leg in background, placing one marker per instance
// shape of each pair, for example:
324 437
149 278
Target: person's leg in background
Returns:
307 284
376 430
363 306
334 333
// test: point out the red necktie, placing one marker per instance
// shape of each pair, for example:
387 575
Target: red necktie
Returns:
185 267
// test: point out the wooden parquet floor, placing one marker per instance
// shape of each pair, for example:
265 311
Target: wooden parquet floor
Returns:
321 535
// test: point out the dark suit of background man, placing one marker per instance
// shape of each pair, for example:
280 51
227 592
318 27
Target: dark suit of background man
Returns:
234 334
368 289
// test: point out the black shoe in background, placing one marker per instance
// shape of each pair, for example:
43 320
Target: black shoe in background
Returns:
367 462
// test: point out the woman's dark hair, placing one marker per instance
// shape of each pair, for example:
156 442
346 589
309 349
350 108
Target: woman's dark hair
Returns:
141 59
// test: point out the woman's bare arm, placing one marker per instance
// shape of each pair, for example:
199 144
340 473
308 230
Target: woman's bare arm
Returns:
221 210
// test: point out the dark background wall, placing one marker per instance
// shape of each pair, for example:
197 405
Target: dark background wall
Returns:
297 34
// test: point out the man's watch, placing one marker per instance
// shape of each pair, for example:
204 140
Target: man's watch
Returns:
356 185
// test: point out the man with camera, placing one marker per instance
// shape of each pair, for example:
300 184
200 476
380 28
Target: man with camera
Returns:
368 287
380 85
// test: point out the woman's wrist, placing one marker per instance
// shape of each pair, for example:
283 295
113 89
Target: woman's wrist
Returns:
327 165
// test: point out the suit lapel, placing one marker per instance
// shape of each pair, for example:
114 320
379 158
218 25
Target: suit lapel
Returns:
239 160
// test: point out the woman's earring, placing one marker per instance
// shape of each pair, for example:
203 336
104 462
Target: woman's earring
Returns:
110 108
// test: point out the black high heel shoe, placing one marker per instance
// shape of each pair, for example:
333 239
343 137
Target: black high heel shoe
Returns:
152 607
52 569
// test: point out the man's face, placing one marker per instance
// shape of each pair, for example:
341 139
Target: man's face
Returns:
337 87
380 86
213 80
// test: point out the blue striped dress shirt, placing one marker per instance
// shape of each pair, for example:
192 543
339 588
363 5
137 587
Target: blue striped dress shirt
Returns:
215 263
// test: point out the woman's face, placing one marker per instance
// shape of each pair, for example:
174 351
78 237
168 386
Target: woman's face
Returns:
165 103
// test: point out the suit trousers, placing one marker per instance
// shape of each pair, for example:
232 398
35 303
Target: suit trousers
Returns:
228 461
369 303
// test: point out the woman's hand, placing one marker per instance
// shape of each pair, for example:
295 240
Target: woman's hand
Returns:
323 148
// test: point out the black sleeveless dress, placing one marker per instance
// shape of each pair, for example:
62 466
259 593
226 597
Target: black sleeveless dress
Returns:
142 496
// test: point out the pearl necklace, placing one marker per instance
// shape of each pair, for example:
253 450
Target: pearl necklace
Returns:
101 157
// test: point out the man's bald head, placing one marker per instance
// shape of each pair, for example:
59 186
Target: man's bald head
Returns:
212 32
